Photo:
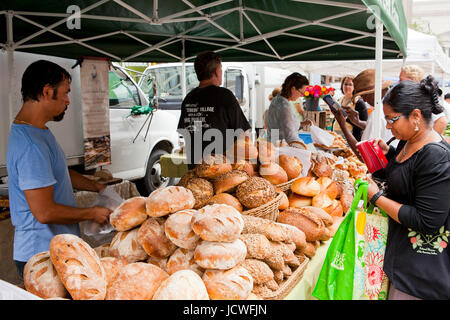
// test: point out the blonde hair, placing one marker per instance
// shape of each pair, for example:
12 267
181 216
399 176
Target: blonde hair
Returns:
413 72
276 91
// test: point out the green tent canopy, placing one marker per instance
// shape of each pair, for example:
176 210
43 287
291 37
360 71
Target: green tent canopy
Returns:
177 30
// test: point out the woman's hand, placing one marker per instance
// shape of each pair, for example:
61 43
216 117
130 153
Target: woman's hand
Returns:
373 187
383 146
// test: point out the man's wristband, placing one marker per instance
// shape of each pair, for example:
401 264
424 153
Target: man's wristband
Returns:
375 197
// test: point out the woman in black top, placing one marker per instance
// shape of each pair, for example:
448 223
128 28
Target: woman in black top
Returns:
417 258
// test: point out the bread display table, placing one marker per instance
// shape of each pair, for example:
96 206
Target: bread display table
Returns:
303 290
173 165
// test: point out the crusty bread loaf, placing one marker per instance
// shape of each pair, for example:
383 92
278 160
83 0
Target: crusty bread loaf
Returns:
267 152
125 246
202 190
321 214
291 165
182 285
346 202
298 201
130 214
310 224
103 250
329 187
309 250
229 181
40 277
306 186
272 172
112 266
255 192
220 255
336 223
164 201
226 198
335 209
186 177
298 144
258 246
244 165
212 166
152 237
78 267
136 281
284 202
159 262
217 222
322 168
259 270
183 259
244 149
178 229
232 284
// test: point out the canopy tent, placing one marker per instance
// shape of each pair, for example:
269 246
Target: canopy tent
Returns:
177 30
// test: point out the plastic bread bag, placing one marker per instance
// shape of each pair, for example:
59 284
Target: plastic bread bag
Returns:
107 198
320 136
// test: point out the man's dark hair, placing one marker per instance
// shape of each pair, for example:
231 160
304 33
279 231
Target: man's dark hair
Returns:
39 74
447 96
205 64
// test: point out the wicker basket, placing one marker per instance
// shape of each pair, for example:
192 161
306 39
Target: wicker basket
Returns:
286 186
287 286
268 210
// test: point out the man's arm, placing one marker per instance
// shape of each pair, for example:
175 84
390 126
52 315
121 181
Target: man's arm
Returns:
82 183
348 135
46 211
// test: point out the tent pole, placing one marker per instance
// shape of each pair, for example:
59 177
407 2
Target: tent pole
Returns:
378 78
183 70
10 50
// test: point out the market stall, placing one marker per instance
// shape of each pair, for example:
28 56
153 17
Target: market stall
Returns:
239 31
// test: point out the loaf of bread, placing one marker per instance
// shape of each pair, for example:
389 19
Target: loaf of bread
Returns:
41 279
182 285
244 165
322 200
255 192
260 272
217 222
253 296
220 255
136 281
285 251
346 202
291 165
125 246
130 214
328 187
336 223
335 209
152 237
103 250
112 266
232 284
78 267
306 186
159 262
244 149
183 259
310 224
226 198
298 201
186 177
309 250
267 152
202 190
164 201
284 202
178 229
258 246
321 214
272 172
229 181
213 166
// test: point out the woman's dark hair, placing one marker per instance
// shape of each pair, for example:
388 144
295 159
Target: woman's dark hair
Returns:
205 64
409 95
39 74
293 80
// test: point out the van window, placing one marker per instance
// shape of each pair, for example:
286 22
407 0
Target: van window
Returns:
122 91
191 79
231 78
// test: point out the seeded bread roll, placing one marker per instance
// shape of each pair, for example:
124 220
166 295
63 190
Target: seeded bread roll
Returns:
229 181
232 284
41 279
226 198
136 281
202 190
306 186
217 222
272 172
78 267
260 272
291 165
152 237
186 177
310 224
182 285
164 201
244 165
267 152
112 267
258 246
103 250
125 245
212 166
178 229
183 259
220 255
255 192
298 201
130 214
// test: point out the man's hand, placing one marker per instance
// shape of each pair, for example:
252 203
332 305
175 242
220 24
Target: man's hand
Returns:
100 214
352 115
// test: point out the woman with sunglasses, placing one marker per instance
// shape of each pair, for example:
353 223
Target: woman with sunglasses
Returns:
417 199
282 123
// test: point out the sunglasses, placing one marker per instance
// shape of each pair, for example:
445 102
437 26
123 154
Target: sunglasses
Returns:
391 121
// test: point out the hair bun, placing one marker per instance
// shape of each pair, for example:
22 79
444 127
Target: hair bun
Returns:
431 86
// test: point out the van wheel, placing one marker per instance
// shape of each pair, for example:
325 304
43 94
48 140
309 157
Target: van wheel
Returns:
153 179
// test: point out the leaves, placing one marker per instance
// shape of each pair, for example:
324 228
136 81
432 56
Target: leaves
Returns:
412 234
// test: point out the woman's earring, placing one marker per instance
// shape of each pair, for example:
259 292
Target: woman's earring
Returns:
416 127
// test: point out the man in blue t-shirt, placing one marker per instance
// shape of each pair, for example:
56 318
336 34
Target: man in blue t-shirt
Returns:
42 202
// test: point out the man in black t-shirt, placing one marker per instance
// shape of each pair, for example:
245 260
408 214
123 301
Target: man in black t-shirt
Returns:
211 117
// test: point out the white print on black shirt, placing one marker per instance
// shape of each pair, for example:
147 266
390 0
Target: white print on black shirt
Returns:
194 114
